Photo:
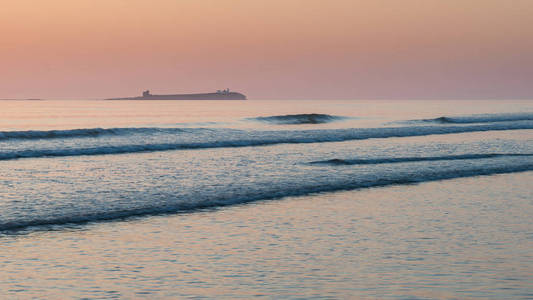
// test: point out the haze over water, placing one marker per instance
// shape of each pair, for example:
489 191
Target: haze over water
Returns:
276 49
339 199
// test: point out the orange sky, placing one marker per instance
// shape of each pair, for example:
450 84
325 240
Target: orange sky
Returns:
267 49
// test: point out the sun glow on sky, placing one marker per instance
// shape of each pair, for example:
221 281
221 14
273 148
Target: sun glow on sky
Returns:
268 49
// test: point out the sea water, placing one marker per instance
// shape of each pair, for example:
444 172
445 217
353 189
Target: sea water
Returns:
291 199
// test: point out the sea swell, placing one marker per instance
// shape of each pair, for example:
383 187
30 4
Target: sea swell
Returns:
392 160
300 119
480 118
84 132
222 138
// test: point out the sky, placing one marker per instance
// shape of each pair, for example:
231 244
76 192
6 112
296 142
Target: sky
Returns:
268 49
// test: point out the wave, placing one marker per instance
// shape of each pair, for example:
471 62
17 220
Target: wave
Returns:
481 118
224 138
300 119
392 160
282 119
84 132
246 194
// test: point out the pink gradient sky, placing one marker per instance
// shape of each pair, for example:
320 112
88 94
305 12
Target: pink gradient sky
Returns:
275 49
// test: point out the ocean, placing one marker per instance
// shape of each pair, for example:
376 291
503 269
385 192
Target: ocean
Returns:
275 199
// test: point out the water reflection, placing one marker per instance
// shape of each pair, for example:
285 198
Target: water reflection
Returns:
464 238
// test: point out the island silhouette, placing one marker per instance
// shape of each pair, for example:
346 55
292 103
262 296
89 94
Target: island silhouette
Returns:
218 95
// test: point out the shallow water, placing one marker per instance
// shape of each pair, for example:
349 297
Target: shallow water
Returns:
461 238
145 198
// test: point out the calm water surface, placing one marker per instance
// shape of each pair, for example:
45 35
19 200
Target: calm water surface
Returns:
281 199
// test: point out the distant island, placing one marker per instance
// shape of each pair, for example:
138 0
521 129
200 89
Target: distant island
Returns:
21 99
218 95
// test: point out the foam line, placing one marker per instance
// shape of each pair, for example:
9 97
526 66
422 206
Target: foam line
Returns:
245 195
223 138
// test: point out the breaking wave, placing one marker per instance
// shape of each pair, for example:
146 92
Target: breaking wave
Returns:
391 160
223 138
482 118
80 133
300 119
249 193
